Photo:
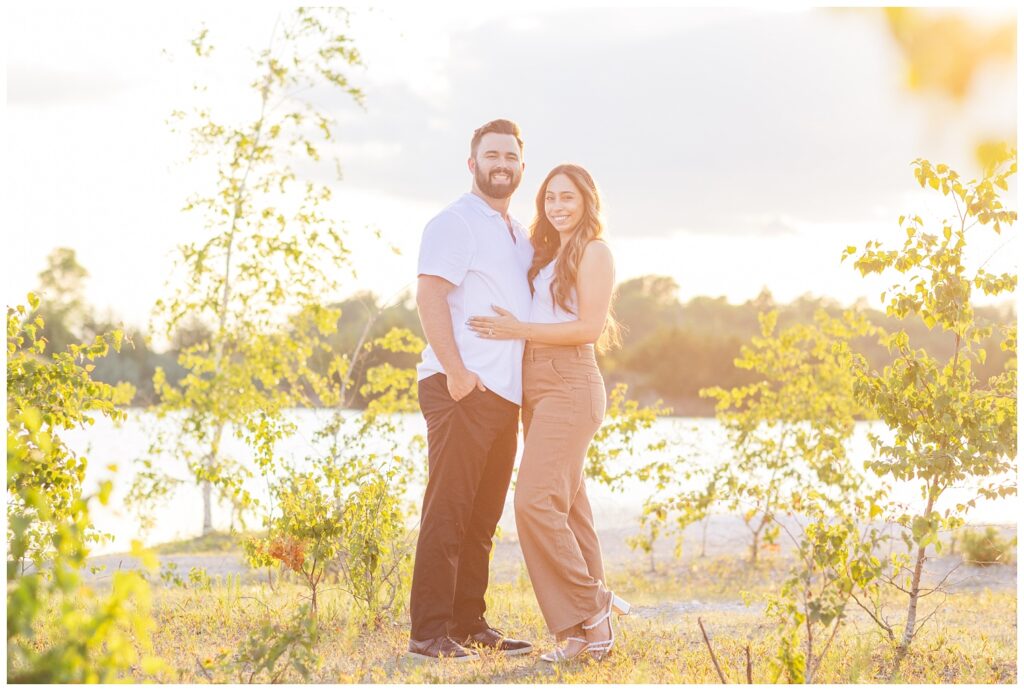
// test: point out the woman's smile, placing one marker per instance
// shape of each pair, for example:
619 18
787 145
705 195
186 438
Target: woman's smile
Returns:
563 204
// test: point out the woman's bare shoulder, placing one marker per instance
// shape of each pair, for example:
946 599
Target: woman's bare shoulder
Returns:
597 249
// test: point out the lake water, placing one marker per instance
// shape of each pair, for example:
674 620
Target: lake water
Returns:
698 441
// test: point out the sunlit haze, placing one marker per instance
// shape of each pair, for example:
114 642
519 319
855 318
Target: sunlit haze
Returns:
736 149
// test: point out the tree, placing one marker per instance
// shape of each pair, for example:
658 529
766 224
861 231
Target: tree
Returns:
834 546
62 299
787 430
678 363
620 437
271 254
62 394
645 303
49 531
349 513
789 473
948 428
368 464
364 320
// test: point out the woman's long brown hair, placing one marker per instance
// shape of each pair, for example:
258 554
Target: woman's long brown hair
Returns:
545 240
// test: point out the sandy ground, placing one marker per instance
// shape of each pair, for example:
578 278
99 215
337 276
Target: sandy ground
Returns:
725 536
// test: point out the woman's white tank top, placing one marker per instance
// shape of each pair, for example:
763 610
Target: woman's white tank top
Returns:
544 310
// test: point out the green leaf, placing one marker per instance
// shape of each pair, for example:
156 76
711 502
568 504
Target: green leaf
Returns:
146 556
106 487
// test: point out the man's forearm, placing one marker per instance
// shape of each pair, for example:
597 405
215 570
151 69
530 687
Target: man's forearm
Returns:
436 320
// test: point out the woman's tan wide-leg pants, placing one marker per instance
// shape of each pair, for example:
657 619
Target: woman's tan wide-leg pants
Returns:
563 405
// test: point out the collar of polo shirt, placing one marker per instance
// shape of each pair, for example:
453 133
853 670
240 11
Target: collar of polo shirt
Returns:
482 204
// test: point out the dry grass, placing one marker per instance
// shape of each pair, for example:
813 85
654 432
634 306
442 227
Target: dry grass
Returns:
972 640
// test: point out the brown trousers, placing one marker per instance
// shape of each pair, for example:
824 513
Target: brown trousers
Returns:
563 404
471 450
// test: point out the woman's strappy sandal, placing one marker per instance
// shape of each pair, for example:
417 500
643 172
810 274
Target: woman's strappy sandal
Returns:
600 649
559 654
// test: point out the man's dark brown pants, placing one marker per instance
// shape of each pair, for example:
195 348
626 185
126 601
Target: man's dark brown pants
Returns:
471 451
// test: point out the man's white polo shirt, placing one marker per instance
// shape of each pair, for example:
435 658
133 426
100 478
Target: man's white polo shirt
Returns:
469 245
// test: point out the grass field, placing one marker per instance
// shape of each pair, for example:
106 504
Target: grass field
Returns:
973 638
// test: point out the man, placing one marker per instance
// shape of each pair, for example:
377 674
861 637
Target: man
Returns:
472 255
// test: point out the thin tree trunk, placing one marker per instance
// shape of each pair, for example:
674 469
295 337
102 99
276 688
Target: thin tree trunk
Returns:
757 539
908 630
225 303
207 512
915 590
809 661
211 461
704 538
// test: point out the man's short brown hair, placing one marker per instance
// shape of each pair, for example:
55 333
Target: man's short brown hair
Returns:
500 126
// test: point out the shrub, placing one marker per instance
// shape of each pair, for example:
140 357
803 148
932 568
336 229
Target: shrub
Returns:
271 650
985 549
305 537
49 529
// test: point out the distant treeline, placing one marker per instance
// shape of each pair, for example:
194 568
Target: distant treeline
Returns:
670 349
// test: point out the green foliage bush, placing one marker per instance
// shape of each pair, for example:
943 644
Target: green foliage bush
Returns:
92 638
617 440
349 514
304 536
360 533
271 651
787 431
985 548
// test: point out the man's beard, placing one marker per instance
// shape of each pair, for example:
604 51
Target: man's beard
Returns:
500 190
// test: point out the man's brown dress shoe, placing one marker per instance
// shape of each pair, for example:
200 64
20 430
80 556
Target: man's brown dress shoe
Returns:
440 648
492 639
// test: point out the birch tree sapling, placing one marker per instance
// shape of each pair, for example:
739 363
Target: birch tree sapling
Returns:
270 255
948 428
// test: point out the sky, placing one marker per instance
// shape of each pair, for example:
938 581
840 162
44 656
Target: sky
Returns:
736 150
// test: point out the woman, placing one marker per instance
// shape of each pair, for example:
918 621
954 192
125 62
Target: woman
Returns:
572 276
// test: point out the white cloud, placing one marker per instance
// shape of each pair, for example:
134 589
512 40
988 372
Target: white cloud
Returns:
38 85
376 150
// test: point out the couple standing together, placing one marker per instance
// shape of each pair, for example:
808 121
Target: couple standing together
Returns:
551 293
